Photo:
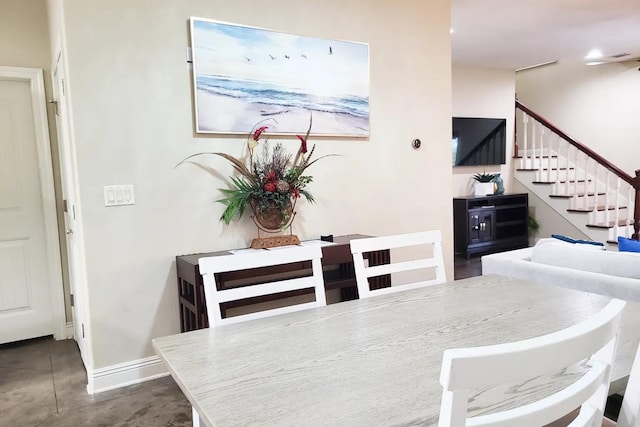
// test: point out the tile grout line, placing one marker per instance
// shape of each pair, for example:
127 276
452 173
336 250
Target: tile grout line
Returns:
53 379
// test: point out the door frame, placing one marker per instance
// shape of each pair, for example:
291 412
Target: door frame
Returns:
34 76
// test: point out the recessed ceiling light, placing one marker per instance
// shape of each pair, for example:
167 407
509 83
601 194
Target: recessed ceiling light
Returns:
451 31
594 54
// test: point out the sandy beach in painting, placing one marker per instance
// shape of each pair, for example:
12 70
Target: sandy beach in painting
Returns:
219 113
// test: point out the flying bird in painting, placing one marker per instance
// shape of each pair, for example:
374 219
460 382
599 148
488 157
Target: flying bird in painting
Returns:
286 57
272 57
304 56
330 51
248 59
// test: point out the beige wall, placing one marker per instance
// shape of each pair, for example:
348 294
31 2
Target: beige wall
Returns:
483 92
24 42
133 116
597 105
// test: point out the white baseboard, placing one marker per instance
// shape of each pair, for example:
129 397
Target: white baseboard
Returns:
124 374
69 331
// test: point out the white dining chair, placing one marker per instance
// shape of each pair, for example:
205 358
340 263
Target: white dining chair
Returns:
215 295
466 369
421 240
630 409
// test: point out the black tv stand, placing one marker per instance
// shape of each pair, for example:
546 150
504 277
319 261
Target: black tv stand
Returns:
484 224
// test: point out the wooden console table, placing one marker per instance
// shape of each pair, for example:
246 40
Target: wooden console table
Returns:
337 263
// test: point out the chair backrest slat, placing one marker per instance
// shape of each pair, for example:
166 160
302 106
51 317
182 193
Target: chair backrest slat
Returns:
630 409
210 266
420 240
467 369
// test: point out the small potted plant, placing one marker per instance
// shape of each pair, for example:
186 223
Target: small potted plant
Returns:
484 184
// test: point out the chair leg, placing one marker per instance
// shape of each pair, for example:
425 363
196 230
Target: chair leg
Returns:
196 418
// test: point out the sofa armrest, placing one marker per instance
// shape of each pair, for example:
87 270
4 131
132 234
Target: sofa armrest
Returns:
493 263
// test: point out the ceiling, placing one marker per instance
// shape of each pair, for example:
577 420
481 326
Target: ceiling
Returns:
515 34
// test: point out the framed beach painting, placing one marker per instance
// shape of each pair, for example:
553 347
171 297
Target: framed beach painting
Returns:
243 75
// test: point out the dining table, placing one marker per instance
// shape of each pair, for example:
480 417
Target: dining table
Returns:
377 361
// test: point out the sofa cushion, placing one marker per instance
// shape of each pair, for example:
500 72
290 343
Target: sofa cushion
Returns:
564 243
576 241
621 264
628 245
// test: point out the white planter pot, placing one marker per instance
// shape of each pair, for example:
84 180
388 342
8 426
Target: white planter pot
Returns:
483 188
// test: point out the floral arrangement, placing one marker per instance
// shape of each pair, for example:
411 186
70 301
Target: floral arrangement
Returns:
270 179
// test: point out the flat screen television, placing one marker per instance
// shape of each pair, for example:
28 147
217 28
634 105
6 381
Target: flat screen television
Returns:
479 141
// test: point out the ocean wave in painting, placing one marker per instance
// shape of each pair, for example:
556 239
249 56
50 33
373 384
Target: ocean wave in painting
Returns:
271 94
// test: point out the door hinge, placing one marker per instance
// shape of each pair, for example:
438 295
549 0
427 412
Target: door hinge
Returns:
72 301
64 206
55 106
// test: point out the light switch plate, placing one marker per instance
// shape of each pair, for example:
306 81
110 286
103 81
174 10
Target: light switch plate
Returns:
119 195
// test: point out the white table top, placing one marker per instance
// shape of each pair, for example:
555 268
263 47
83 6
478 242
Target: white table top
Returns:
371 362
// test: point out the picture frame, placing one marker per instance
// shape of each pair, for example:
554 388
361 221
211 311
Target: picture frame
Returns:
244 75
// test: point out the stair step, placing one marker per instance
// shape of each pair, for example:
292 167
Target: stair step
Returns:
621 223
560 182
554 156
544 169
570 196
600 208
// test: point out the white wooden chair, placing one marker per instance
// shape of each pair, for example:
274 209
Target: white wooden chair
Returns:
214 296
630 409
466 369
210 266
421 239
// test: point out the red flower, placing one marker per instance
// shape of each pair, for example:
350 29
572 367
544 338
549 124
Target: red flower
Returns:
258 132
271 176
295 193
270 186
303 144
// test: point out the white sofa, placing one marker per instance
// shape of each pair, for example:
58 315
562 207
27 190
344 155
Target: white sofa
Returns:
577 266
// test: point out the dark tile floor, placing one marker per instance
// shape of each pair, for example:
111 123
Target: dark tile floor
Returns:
463 268
43 383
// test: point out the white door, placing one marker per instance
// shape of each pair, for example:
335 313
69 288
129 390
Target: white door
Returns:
30 283
68 194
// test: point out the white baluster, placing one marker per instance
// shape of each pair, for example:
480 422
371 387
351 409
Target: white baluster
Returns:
586 177
558 164
533 147
549 157
607 215
540 159
617 202
525 121
566 181
595 194
630 214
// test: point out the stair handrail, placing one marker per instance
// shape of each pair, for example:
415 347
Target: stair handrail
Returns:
634 181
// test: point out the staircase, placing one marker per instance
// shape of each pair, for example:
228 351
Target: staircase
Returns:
587 190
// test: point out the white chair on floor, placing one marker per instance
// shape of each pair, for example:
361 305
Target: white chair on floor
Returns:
466 369
422 240
214 296
630 409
